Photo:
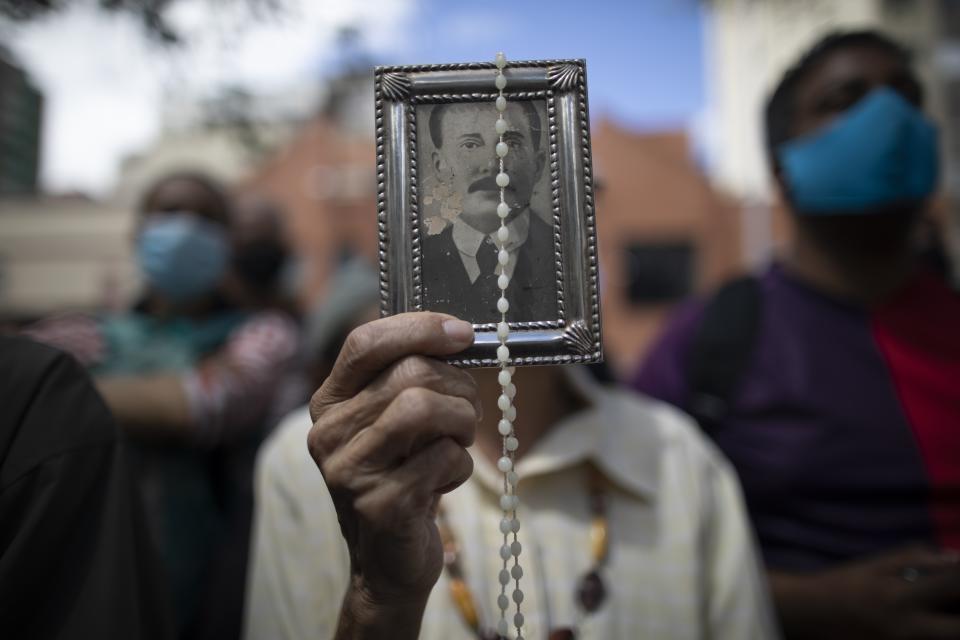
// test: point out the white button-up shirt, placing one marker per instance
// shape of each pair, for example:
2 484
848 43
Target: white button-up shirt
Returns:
681 560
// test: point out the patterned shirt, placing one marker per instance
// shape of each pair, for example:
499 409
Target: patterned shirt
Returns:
681 562
229 392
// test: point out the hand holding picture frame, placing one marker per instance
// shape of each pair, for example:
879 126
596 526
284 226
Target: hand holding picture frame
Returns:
437 202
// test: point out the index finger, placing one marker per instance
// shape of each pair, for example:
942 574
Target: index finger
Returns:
372 347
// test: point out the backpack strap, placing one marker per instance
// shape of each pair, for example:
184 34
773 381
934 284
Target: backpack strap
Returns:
722 349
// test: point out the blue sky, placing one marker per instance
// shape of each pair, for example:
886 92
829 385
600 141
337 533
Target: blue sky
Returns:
644 58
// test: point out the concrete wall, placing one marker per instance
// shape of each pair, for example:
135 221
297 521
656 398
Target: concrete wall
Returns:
61 255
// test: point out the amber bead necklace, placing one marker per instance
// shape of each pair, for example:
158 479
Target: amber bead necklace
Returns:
590 592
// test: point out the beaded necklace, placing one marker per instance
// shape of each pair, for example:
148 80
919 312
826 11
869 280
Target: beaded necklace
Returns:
590 592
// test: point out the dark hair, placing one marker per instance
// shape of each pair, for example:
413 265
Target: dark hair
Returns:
219 200
436 123
780 108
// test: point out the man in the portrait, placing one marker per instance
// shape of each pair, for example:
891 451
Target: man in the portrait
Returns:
460 267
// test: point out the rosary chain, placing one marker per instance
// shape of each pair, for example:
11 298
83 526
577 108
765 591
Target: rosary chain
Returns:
509 524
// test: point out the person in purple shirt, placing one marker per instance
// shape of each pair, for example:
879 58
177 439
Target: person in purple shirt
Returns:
832 380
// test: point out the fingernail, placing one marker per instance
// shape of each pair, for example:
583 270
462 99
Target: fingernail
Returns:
458 331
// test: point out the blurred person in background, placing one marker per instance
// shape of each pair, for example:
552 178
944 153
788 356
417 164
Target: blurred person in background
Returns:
677 515
260 255
189 373
832 381
75 557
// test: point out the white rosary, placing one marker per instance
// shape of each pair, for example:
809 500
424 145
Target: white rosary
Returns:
508 391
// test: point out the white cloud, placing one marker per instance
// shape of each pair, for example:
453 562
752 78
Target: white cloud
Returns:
104 81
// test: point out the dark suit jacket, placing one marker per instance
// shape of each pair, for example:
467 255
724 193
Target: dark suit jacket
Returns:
532 292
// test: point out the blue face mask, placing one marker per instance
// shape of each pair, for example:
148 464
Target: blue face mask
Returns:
181 255
881 152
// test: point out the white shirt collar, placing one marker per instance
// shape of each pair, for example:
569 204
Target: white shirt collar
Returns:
618 433
468 240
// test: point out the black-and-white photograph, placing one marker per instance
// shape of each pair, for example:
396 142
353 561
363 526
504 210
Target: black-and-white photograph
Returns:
441 244
458 204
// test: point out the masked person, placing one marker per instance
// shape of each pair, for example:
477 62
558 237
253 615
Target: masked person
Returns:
832 380
187 372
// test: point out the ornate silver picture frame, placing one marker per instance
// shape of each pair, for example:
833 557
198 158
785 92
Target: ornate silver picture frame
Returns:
433 124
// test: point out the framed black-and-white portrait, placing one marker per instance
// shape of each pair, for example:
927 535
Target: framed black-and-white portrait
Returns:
438 198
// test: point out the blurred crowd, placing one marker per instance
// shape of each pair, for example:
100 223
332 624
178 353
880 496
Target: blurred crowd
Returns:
814 492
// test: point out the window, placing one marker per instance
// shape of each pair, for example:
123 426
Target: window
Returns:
659 272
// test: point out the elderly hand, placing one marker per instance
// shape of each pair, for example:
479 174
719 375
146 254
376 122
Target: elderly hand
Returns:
391 427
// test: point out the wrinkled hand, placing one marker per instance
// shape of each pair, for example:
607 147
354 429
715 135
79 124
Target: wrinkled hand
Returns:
390 429
909 593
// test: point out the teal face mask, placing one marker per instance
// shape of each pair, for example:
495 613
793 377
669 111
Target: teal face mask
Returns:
182 255
882 152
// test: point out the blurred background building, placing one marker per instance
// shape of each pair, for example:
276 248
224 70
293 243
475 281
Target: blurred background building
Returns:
21 114
684 202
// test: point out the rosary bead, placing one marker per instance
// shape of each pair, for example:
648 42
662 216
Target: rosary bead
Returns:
501 125
501 103
518 619
515 547
504 376
512 478
503 281
503 180
503 330
504 576
503 257
501 81
508 503
503 209
502 305
503 234
516 572
511 391
505 525
511 443
503 354
511 413
515 526
505 464
501 60
503 402
517 596
505 552
503 601
504 427
502 149
503 627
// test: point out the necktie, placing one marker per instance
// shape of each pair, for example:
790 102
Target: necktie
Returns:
485 287
487 258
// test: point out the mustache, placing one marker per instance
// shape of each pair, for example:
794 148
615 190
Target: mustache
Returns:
486 184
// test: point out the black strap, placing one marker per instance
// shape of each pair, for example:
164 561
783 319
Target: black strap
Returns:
722 349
